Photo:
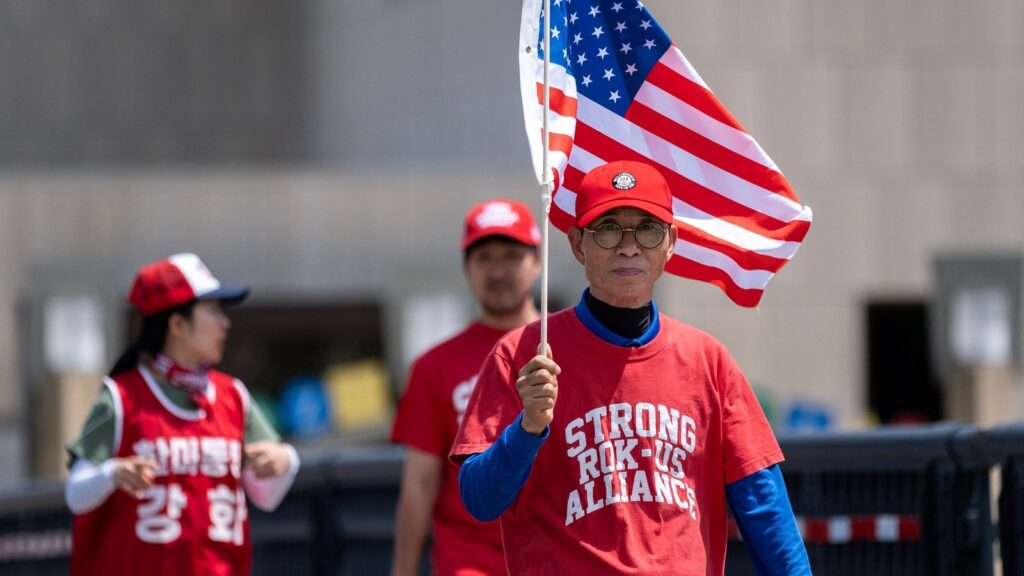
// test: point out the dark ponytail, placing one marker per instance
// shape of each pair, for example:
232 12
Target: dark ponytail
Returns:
151 337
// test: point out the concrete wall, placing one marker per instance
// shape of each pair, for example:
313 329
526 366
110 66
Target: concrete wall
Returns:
899 123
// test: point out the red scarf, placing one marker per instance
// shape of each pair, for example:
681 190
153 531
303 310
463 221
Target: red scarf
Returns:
192 380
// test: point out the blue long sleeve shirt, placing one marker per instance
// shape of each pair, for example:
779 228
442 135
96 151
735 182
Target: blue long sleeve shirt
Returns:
490 482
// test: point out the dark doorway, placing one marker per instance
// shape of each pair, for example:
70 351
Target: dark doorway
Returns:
270 343
902 387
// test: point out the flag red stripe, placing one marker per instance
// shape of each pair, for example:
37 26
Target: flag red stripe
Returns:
689 269
559 142
708 150
692 93
561 219
560 103
704 199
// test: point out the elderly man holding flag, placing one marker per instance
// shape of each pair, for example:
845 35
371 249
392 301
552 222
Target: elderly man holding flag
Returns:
620 457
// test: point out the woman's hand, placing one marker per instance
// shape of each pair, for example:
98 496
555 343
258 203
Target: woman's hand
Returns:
134 475
267 458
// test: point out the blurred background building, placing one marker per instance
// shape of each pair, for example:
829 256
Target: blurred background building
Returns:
325 152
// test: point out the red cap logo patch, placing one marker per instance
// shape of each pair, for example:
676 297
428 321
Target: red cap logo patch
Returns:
624 181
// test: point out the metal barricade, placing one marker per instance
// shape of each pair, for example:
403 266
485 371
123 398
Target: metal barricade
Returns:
881 502
889 502
1004 446
35 530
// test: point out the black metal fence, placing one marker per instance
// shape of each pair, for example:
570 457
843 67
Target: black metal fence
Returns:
892 501
1004 446
889 501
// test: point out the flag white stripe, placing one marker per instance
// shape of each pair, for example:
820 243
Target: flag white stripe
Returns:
557 123
689 166
681 66
565 199
746 279
685 115
558 76
731 233
583 160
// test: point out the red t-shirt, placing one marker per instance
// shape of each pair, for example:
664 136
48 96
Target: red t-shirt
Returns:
194 520
632 478
428 416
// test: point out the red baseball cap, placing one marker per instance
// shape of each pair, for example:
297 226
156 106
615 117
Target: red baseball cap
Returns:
177 280
500 217
623 183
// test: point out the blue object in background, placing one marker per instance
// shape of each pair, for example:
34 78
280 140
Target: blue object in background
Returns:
808 417
303 408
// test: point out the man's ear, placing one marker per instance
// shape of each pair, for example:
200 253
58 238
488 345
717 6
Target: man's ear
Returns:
673 234
576 244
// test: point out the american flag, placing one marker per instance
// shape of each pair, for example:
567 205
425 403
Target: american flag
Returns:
621 90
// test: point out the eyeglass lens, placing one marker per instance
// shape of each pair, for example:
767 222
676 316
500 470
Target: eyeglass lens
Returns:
647 234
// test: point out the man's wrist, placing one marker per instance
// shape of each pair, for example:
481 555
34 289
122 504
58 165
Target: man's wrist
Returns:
531 429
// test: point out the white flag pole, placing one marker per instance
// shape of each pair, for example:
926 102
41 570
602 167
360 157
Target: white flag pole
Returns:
548 186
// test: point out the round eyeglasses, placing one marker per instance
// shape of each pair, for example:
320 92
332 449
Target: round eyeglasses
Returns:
648 234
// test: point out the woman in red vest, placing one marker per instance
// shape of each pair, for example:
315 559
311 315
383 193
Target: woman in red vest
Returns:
172 449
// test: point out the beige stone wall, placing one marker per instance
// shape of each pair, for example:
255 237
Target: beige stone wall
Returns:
899 123
10 262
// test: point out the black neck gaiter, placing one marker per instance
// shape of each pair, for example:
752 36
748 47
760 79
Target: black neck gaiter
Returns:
626 322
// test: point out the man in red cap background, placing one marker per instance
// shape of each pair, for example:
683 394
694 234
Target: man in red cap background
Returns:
619 458
501 265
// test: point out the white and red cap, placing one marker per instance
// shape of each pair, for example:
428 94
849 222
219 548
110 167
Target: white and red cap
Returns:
500 217
177 280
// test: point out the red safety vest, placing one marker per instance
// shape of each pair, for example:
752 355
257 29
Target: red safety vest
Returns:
194 520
